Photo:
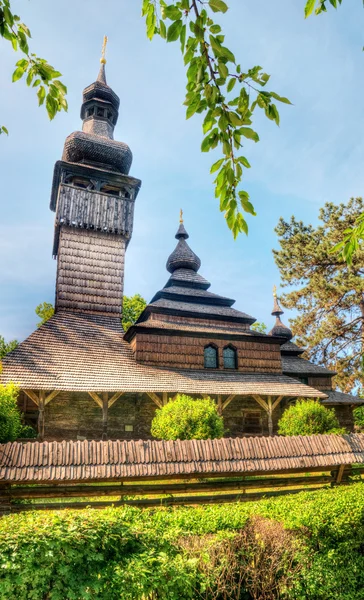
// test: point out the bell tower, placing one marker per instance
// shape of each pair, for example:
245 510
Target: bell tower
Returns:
93 197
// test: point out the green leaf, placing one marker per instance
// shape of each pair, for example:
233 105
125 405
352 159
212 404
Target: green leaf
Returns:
249 133
223 70
171 12
174 31
51 106
183 38
280 98
18 74
231 84
162 29
3 129
41 95
244 161
216 166
62 88
310 5
218 6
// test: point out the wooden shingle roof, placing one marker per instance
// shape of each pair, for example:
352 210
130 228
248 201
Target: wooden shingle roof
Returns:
85 352
97 460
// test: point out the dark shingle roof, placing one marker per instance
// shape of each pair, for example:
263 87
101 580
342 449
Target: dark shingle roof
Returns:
91 460
335 397
82 352
290 348
297 365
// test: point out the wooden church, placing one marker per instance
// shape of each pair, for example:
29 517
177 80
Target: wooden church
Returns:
81 376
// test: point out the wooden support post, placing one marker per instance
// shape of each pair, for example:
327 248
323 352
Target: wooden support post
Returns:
41 405
164 398
105 414
219 404
340 474
270 416
269 406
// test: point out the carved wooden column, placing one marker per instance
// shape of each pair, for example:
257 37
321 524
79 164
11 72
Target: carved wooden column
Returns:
41 405
105 414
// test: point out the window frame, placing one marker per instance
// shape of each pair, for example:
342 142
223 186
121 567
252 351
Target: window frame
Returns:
215 348
230 347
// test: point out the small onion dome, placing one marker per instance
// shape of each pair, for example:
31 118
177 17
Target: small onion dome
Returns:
182 256
279 328
95 145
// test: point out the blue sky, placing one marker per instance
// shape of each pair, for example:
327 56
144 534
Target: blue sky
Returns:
316 155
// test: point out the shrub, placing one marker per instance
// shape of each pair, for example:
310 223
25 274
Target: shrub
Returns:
187 419
358 413
308 417
10 417
27 432
307 546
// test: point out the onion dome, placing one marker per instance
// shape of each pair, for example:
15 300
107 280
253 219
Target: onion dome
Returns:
279 329
182 256
95 145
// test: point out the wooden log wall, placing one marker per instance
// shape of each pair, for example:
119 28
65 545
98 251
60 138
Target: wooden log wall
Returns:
178 351
90 272
75 415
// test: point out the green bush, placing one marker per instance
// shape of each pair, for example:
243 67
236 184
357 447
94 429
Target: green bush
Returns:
358 413
307 546
308 417
10 417
187 419
27 432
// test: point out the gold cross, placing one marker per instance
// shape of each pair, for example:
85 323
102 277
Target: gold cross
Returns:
181 216
103 51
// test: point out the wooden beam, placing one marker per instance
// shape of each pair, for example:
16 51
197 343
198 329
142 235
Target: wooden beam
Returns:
51 396
32 395
155 399
227 401
262 402
114 398
219 404
96 398
276 402
165 398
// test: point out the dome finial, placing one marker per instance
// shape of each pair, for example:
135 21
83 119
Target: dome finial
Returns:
279 328
103 51
181 216
274 291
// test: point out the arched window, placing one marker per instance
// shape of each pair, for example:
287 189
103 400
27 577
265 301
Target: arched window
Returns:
210 357
230 358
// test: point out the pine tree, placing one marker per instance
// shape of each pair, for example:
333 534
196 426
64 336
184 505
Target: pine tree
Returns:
328 294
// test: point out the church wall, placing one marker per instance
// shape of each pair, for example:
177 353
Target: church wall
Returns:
321 383
188 352
90 272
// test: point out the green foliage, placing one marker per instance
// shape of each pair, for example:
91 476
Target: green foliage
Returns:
187 419
37 72
6 347
146 554
352 242
219 89
308 417
319 6
358 413
328 293
27 432
10 418
44 311
133 307
260 327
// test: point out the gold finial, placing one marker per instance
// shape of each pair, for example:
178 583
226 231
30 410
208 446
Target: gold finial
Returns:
181 216
274 291
103 51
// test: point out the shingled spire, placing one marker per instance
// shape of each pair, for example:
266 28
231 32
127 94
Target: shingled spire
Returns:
93 197
279 328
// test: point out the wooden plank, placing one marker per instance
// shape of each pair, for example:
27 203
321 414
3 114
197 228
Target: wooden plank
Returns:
155 399
152 489
170 500
96 398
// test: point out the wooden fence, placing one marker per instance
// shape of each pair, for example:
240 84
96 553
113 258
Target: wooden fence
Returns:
53 475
